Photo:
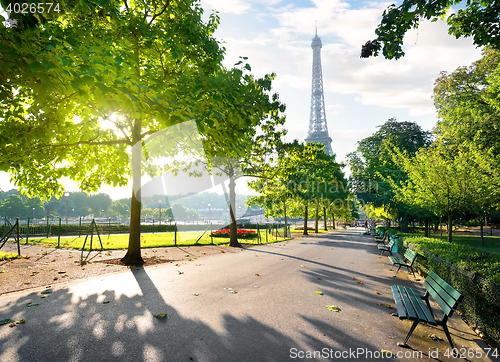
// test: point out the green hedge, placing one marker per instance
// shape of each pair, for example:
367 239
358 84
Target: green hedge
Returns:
474 273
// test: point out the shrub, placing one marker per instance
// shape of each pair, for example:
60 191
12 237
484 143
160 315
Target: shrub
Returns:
242 233
302 228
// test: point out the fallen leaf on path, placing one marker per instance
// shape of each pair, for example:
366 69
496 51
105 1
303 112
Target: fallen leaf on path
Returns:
105 302
359 282
319 292
386 305
5 321
301 266
257 274
385 353
319 278
196 294
180 272
162 315
377 292
31 304
333 308
61 272
353 277
434 337
3 271
234 291
222 251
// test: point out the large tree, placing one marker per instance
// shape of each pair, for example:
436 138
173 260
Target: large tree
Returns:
476 18
102 78
372 163
467 102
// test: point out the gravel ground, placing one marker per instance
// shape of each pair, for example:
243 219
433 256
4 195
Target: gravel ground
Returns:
45 266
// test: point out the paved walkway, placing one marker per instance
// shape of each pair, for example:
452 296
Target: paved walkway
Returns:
260 304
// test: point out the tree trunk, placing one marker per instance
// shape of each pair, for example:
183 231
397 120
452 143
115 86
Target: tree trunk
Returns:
305 218
284 212
333 220
404 223
427 233
482 231
450 227
233 230
326 218
133 255
316 224
441 228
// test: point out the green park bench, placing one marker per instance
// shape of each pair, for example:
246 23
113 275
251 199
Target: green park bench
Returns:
388 248
407 261
410 304
380 236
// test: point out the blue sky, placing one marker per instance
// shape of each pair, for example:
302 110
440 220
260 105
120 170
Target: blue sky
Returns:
360 94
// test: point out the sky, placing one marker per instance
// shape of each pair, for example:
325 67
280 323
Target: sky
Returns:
360 94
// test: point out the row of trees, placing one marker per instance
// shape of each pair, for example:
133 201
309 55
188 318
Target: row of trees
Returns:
304 180
457 175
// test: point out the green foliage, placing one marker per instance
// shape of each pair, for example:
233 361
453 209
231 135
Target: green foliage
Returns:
479 19
467 103
447 180
373 164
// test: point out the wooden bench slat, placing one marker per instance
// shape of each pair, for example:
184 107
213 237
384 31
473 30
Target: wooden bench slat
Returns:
427 315
446 303
411 313
399 303
449 289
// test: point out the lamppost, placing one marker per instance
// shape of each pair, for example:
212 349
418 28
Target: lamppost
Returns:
33 213
209 213
159 202
66 195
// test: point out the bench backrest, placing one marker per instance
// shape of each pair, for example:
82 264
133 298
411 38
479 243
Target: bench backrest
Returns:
390 244
444 294
410 255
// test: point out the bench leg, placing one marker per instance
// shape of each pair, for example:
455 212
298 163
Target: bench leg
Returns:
411 268
399 267
413 326
448 335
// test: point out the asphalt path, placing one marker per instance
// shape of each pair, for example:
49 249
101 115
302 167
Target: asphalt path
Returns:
266 303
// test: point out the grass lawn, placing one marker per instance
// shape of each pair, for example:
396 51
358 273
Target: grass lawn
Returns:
491 243
156 240
8 256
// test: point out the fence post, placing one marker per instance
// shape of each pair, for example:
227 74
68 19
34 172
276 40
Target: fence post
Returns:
18 238
27 230
59 234
258 234
48 226
276 231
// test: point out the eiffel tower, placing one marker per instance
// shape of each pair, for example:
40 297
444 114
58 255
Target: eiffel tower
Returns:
318 128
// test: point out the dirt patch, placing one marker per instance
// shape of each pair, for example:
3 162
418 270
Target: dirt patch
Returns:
48 266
